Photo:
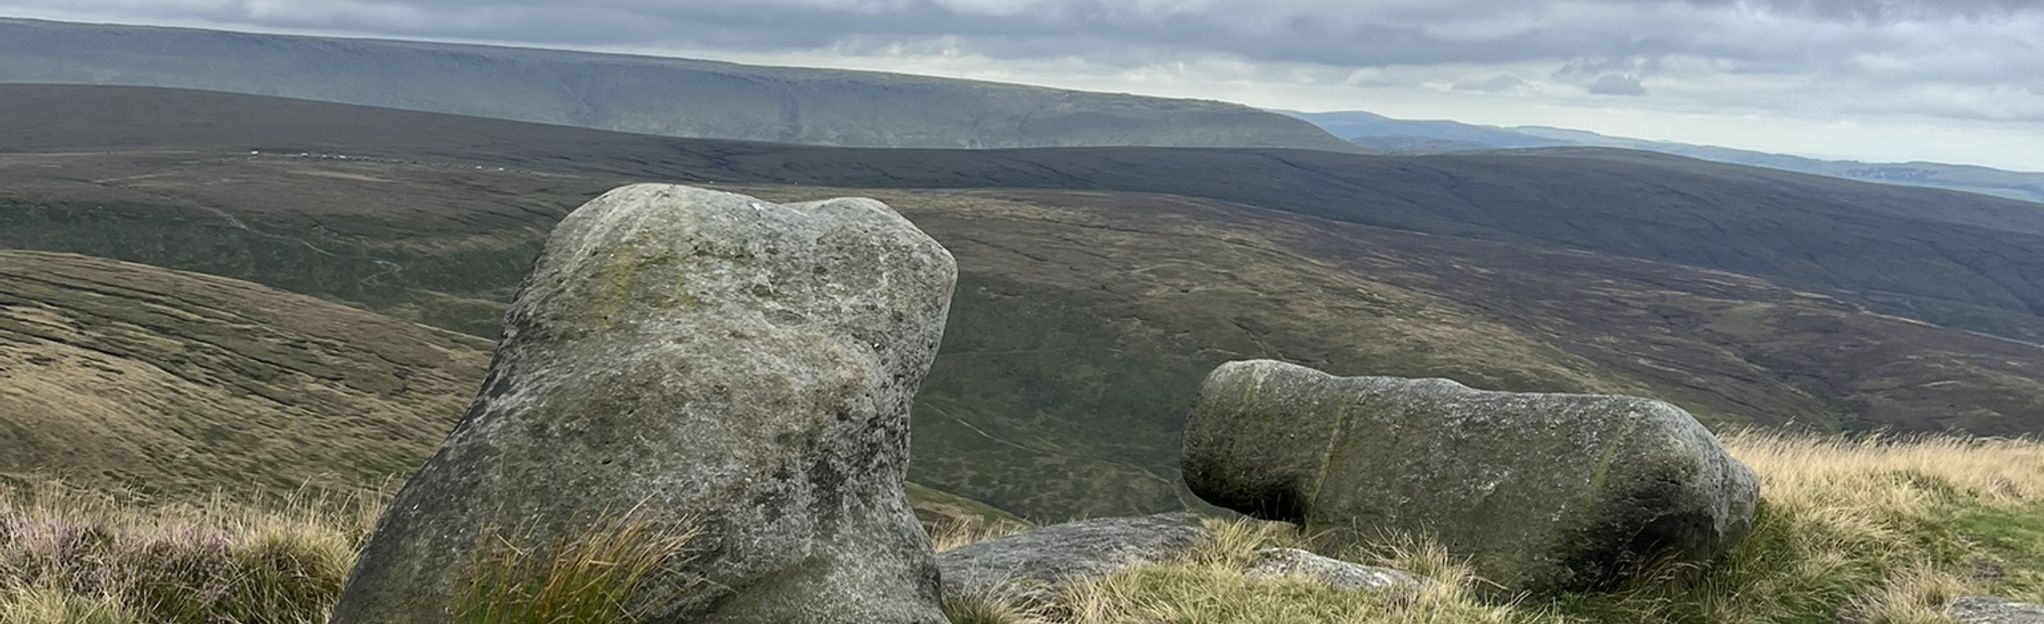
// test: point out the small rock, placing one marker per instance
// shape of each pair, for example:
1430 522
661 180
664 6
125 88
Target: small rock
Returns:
1996 611
1334 572
1031 567
723 364
1543 493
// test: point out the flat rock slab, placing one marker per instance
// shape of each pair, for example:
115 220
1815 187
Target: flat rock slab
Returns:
1333 572
1543 493
1996 611
1035 565
720 364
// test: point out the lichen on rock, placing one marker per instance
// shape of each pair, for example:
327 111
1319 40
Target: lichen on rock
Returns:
1541 492
727 365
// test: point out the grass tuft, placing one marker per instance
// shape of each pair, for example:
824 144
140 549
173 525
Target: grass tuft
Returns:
69 556
991 610
590 577
952 534
57 605
74 557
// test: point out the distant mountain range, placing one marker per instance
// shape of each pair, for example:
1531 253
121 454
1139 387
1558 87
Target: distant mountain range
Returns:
643 94
1386 135
708 99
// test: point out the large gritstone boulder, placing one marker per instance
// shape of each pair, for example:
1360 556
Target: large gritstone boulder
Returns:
1542 492
717 363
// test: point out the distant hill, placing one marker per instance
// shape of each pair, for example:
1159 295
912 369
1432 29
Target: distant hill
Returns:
1099 285
2012 184
666 96
1407 136
1400 136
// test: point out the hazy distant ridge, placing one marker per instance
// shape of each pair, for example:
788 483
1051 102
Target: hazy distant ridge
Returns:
675 97
1405 136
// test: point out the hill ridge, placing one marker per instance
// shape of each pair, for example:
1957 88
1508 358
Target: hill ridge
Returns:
1435 136
638 93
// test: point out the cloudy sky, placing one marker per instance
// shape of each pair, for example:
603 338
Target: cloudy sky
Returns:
1946 80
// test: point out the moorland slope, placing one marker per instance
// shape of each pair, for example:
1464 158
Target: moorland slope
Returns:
1099 285
170 382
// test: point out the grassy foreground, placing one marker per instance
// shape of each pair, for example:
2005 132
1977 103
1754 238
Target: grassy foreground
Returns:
1878 531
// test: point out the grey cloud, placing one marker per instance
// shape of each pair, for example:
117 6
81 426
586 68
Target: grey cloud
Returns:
1317 31
1610 76
1617 84
1598 67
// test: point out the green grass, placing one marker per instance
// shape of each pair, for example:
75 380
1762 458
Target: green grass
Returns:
2013 539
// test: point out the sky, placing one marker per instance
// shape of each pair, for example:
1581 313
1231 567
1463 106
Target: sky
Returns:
1957 81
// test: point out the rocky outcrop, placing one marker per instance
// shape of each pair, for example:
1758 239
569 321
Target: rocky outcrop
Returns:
1333 572
1033 566
1541 492
719 363
1996 611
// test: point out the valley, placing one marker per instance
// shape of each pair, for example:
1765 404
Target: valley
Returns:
1099 285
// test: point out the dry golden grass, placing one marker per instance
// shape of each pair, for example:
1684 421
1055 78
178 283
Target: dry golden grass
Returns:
1858 484
587 577
1893 527
1209 586
68 556
71 557
1860 531
57 605
966 531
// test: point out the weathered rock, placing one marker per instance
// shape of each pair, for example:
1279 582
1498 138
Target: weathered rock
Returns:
1542 492
1334 572
1996 611
1033 566
715 362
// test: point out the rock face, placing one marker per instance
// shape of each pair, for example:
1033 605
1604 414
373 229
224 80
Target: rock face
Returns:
1032 566
715 362
1996 611
1334 572
1543 492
